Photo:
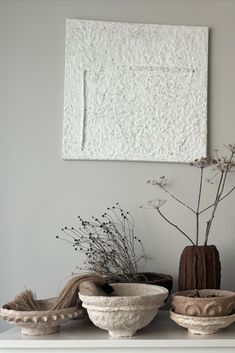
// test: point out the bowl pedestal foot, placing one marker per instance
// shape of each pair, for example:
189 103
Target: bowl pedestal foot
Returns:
29 331
122 333
202 332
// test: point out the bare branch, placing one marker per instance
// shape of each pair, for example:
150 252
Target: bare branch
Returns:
162 184
178 200
224 166
174 225
221 199
217 197
198 205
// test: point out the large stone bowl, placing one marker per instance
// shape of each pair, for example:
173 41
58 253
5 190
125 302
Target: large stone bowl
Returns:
129 308
212 302
43 322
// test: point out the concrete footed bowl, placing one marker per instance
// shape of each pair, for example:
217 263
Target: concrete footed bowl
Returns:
202 325
129 308
43 322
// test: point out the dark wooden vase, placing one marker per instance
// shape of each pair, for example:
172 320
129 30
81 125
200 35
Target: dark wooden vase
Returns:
200 268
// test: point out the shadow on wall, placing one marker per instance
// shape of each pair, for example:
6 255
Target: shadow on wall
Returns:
4 326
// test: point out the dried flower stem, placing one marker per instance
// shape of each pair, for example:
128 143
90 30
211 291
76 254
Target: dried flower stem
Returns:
176 198
174 225
220 190
110 244
221 199
209 223
162 184
198 205
224 166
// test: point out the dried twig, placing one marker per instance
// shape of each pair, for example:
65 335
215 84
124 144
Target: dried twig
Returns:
198 205
25 301
69 295
174 225
221 199
163 185
110 244
223 166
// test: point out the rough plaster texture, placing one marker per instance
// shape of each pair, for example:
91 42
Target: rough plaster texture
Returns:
132 307
40 192
135 91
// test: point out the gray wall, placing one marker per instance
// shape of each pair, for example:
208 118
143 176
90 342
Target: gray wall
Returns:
39 192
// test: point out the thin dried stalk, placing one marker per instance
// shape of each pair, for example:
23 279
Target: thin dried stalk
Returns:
175 226
110 244
221 199
69 295
162 183
198 205
224 166
25 301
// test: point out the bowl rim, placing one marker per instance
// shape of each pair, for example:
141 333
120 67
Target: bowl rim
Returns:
201 318
161 291
8 312
183 294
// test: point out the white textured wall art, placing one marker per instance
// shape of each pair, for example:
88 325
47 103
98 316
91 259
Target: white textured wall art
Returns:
135 91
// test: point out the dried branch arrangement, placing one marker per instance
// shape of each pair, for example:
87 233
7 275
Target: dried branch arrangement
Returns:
222 167
68 297
24 301
110 244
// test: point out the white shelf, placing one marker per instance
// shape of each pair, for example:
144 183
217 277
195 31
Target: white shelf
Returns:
161 333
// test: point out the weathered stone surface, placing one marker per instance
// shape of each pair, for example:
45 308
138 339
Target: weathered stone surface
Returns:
131 307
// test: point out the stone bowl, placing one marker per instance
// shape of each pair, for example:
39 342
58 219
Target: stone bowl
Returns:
44 322
205 306
202 325
129 308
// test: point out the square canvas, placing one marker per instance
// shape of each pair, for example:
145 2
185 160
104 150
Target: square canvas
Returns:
135 92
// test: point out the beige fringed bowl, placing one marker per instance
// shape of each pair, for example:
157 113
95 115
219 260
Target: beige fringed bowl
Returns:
129 308
43 322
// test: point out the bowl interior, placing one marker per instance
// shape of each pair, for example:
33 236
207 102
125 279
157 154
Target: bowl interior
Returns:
46 304
205 294
134 290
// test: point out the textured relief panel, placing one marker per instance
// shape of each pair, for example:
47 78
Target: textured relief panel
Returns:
135 91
